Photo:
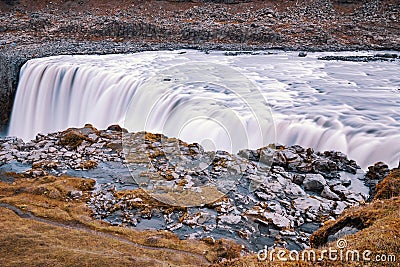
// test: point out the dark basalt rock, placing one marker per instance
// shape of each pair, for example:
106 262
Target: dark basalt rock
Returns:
375 175
302 54
314 182
296 158
376 57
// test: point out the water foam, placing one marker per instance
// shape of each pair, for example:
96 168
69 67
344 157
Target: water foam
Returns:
352 107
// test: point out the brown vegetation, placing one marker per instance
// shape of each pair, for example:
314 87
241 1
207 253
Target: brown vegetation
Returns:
378 223
89 164
73 139
389 187
62 232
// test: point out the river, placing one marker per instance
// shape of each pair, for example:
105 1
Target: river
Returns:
222 100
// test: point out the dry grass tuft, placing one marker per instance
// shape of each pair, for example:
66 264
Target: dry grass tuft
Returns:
89 164
389 187
73 139
150 137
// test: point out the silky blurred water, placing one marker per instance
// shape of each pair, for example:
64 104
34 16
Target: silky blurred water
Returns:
353 107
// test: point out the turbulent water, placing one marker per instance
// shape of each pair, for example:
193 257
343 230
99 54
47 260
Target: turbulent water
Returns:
219 100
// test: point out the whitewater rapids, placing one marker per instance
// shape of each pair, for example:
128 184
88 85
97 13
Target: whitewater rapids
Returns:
352 107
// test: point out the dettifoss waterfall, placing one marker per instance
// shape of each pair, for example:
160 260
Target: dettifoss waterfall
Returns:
220 101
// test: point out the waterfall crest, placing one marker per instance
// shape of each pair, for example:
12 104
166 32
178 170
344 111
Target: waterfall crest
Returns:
345 106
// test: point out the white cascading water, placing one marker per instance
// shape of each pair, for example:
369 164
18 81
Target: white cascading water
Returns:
351 107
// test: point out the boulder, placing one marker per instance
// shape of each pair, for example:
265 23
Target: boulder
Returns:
302 54
328 194
314 182
278 220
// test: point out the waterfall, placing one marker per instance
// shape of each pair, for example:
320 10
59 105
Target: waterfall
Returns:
221 102
55 97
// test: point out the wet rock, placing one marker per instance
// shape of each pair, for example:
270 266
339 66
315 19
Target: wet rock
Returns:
309 227
377 172
328 194
347 230
229 219
116 128
302 54
314 182
261 205
265 196
351 197
375 175
340 207
340 190
356 58
293 190
306 204
277 219
333 182
298 179
345 181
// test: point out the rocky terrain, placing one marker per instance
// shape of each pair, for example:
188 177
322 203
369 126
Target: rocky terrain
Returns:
274 196
322 24
43 28
44 223
369 227
87 182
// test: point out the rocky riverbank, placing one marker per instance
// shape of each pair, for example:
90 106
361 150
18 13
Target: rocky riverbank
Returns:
273 196
321 24
276 196
45 28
